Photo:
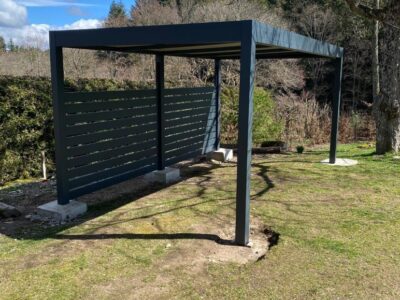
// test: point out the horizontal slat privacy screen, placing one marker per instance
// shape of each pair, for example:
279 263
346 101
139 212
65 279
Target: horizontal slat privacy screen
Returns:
109 137
112 136
190 123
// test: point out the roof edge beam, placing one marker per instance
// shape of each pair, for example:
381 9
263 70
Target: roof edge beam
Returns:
176 34
268 35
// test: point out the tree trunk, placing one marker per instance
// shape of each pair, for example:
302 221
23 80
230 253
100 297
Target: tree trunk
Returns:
387 106
375 58
387 134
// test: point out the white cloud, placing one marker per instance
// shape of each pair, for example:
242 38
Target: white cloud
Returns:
81 24
51 3
37 35
13 25
12 14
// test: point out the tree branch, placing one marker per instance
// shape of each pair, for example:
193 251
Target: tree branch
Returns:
383 14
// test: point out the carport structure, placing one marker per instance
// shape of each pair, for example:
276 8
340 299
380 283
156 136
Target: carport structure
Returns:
106 137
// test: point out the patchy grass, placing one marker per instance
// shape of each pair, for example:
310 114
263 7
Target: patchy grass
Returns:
339 237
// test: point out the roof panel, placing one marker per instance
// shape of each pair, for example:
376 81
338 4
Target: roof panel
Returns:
220 40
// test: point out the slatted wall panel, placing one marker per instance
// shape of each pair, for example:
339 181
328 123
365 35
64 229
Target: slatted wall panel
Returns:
190 123
109 137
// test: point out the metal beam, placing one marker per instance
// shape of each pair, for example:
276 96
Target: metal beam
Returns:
176 34
197 48
222 50
283 54
337 91
287 55
57 80
160 112
217 86
268 35
167 49
247 69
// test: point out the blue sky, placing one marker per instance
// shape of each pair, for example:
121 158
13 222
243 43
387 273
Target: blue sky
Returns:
59 13
27 22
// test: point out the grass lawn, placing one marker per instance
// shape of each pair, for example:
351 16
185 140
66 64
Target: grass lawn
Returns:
339 237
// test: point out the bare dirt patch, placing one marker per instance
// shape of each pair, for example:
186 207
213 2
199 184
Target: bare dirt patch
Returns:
27 196
192 256
220 247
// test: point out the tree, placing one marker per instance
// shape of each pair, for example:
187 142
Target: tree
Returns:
386 105
117 16
116 62
388 14
11 46
375 57
153 12
2 44
319 23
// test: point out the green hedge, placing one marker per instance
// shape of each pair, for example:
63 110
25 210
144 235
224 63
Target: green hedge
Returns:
265 125
25 126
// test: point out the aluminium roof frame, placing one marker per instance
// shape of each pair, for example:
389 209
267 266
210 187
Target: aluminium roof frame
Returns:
246 41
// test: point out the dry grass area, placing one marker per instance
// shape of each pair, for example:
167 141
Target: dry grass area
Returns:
339 236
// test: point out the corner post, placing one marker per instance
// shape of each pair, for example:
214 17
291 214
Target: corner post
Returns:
336 108
217 86
57 82
160 112
247 70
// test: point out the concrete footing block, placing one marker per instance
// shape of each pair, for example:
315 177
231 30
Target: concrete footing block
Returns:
342 162
166 176
8 211
55 212
222 154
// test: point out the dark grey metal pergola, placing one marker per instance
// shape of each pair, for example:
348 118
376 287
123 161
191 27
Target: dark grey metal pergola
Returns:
106 137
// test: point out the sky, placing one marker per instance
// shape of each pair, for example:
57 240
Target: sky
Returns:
27 22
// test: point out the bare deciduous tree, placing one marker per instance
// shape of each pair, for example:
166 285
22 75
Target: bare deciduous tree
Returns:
319 24
152 12
78 63
387 104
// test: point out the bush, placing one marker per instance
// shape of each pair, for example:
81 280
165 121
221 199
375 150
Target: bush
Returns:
308 122
300 149
25 126
265 125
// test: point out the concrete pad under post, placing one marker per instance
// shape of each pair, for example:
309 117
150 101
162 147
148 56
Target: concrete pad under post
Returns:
52 211
166 176
222 154
342 162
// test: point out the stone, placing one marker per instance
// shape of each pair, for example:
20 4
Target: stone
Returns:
342 162
8 211
54 212
222 155
251 244
166 176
